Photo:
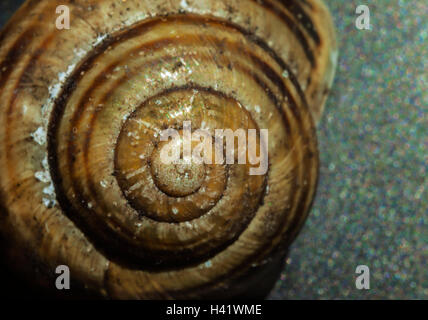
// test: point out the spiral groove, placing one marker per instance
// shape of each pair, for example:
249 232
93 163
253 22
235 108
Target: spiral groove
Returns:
127 223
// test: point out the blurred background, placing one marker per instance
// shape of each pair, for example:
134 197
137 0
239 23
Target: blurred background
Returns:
371 206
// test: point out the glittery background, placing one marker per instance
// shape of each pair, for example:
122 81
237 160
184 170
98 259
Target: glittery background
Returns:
372 203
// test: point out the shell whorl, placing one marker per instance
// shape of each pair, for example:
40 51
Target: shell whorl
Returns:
81 111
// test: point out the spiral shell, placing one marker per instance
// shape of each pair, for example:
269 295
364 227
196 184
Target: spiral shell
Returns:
81 112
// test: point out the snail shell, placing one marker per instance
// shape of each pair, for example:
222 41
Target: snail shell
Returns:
82 183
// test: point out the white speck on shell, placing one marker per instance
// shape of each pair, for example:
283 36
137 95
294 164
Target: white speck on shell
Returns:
39 136
42 176
50 191
100 38
45 163
184 5
49 203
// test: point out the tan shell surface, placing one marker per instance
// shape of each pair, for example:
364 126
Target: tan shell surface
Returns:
80 116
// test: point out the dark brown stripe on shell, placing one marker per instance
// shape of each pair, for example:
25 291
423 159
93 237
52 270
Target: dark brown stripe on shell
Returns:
300 15
293 26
